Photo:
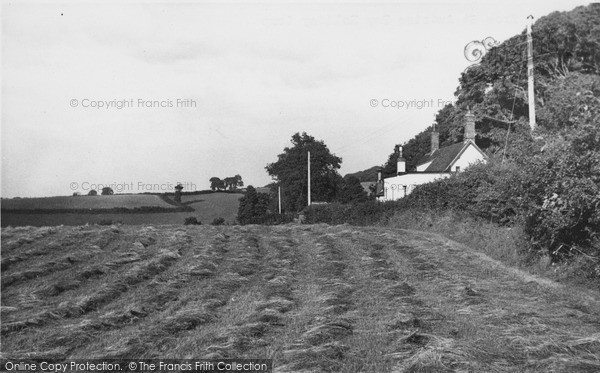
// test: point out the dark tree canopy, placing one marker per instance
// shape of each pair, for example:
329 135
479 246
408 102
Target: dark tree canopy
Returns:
216 183
107 191
350 191
231 183
290 172
253 207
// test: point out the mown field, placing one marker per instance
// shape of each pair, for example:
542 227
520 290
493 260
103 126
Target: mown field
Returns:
312 297
207 207
128 201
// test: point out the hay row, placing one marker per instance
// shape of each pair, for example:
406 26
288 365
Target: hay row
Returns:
34 321
28 274
108 292
321 345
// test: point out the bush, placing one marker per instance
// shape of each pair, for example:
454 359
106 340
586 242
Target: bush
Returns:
192 221
218 221
551 188
363 213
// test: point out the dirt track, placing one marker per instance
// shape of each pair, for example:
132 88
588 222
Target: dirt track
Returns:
313 298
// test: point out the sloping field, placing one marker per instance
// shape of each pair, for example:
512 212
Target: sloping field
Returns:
207 207
85 202
215 205
313 298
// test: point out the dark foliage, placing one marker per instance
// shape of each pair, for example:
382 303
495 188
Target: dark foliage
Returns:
291 168
107 191
350 191
218 221
192 221
253 207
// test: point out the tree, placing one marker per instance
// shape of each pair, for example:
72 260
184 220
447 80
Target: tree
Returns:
232 183
351 191
92 192
216 183
290 172
107 191
178 189
253 207
238 181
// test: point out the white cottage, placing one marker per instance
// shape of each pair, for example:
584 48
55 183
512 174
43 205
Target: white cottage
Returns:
438 164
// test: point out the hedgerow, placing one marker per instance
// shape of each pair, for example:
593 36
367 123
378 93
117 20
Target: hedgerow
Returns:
554 192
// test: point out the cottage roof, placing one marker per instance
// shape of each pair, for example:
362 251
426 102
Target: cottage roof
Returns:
443 158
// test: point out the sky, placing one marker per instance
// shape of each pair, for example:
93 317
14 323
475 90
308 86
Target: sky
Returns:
142 95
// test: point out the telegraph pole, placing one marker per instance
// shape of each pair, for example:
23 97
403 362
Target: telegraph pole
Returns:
309 178
530 74
279 197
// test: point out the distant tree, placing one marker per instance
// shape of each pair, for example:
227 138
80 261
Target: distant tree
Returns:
75 194
107 191
92 192
238 181
178 189
351 191
253 206
290 172
232 183
216 183
229 183
369 174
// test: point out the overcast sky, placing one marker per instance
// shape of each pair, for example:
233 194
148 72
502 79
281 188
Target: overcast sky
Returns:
248 76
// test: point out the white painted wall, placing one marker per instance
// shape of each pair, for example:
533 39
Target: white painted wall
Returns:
394 187
470 156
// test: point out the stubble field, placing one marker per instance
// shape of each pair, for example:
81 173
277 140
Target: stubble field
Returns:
312 297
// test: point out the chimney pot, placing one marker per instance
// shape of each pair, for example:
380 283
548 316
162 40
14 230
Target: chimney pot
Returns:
435 139
401 165
469 127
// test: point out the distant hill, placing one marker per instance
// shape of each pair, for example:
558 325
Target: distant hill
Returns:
206 208
369 174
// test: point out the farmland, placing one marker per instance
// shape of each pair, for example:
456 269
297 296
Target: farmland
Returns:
206 206
311 297
128 201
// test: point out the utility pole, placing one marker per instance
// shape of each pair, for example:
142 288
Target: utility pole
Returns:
309 178
279 197
530 74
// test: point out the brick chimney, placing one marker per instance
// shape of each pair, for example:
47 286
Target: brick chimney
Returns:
469 127
401 165
435 139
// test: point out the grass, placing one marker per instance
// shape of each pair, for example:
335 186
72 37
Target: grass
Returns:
505 244
207 207
311 297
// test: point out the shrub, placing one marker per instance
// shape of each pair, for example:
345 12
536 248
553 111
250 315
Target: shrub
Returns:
218 221
192 221
363 213
552 189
